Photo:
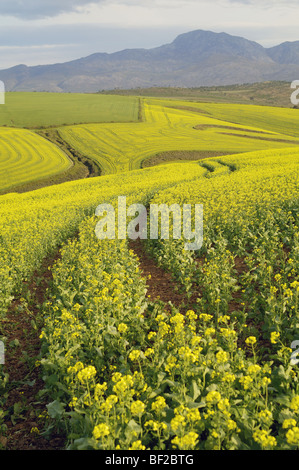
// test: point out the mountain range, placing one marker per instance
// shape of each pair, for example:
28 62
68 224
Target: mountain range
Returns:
193 59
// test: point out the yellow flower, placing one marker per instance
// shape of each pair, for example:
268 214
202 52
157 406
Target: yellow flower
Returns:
137 445
156 425
137 407
191 315
210 331
250 341
263 438
213 397
265 381
101 430
159 404
205 317
122 327
274 337
87 373
193 415
73 402
151 335
289 423
265 416
149 352
176 422
223 404
246 381
231 424
222 357
163 328
99 390
230 378
186 442
123 384
253 369
293 436
34 430
134 355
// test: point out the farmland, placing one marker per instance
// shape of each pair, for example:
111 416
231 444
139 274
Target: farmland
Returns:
36 110
142 344
26 157
165 128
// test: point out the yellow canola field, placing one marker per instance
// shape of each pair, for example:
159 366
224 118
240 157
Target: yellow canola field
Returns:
120 147
26 157
215 374
33 224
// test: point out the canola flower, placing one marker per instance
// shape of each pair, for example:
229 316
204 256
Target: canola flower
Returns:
100 431
264 438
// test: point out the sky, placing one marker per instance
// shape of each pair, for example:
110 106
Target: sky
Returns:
37 32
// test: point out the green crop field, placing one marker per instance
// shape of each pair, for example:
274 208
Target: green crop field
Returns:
35 110
123 343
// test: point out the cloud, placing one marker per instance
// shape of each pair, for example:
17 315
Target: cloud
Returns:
35 9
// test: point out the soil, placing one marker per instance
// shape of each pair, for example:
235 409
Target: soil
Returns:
26 405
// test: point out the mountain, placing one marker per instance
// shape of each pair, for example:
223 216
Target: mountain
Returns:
197 58
285 53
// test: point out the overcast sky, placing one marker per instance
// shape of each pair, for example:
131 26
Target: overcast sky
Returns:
34 32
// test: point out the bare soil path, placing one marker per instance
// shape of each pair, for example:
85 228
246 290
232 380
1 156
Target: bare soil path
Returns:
26 407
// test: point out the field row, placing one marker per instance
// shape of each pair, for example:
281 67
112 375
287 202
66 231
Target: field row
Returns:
125 372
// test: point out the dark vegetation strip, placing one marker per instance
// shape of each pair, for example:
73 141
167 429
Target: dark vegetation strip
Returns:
181 155
202 127
284 141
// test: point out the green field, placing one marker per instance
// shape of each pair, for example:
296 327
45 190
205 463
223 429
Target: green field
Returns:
36 110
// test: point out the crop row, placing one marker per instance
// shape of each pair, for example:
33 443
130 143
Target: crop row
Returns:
123 372
126 373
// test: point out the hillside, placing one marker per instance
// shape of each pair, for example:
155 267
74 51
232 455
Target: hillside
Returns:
272 93
196 58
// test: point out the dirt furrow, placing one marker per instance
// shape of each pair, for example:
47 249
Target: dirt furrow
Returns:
26 406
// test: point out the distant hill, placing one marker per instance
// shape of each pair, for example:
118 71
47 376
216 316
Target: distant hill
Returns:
194 59
270 93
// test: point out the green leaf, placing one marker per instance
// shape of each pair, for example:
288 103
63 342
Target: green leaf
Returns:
195 390
56 409
132 426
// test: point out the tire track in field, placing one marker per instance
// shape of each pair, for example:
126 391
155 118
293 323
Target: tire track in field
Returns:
161 285
24 408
